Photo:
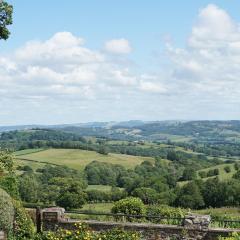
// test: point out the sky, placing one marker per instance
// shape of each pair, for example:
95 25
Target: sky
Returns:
89 60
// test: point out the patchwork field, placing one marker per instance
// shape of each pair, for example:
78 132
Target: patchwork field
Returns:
76 159
223 175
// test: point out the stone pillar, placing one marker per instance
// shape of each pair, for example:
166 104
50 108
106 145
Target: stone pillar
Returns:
195 221
51 217
3 236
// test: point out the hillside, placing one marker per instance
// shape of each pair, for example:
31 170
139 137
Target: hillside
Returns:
76 158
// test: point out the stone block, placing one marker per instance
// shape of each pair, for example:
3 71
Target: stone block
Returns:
2 236
53 214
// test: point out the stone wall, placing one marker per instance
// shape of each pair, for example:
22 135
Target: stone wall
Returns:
195 227
2 236
149 231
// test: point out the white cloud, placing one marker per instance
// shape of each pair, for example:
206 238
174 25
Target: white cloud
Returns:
63 68
209 66
66 78
118 46
152 87
214 27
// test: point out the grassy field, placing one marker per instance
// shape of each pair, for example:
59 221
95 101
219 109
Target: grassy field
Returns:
229 212
28 151
78 159
223 175
98 207
33 165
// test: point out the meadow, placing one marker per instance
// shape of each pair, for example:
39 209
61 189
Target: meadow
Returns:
223 175
76 158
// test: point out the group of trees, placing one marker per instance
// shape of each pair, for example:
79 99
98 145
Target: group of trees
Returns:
54 185
157 184
153 183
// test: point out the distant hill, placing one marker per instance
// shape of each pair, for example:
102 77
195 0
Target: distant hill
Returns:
227 131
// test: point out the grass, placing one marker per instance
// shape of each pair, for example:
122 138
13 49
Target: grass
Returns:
224 211
28 151
33 165
78 159
98 207
223 175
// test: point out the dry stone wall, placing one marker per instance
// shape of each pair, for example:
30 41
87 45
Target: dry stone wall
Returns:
194 227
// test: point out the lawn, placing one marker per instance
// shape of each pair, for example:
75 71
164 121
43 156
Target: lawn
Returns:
78 159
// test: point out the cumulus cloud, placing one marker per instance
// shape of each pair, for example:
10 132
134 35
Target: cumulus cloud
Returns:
209 66
201 80
62 67
118 46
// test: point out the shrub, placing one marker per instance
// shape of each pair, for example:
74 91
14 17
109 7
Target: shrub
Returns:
202 174
24 227
119 234
234 236
237 175
6 212
82 232
70 200
213 172
227 169
147 195
165 211
9 183
130 206
237 166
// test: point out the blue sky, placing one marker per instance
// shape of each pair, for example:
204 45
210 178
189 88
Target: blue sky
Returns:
135 59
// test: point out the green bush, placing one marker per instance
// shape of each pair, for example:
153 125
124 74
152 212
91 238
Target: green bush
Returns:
234 236
82 232
130 206
166 212
227 169
24 227
6 211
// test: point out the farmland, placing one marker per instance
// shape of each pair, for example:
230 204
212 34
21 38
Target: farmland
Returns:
78 159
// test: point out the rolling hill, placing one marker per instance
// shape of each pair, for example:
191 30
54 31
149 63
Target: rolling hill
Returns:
75 158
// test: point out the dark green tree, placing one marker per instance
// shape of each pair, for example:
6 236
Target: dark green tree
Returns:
189 174
190 196
71 200
147 195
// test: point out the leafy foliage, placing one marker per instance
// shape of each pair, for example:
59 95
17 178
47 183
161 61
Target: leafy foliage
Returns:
6 212
165 211
82 232
129 206
6 11
234 236
24 227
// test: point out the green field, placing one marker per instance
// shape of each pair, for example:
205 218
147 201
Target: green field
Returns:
78 159
98 207
222 174
225 211
28 151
